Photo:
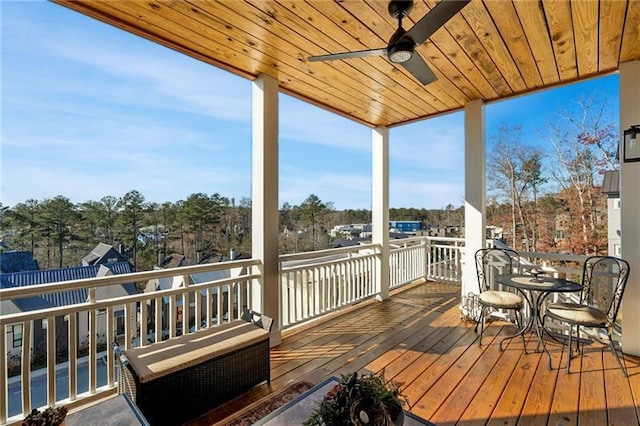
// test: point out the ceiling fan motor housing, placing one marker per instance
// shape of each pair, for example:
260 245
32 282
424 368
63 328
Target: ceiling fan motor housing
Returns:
401 46
400 8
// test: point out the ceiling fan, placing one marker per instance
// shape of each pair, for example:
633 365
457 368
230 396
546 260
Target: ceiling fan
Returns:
402 44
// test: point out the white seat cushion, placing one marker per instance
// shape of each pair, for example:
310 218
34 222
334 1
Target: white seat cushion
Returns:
576 313
158 360
501 299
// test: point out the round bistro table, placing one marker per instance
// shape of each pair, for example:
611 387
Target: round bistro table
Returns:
535 288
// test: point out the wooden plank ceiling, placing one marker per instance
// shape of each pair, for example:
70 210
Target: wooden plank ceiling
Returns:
490 50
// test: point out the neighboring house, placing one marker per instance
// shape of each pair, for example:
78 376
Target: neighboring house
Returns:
611 188
103 254
17 261
173 260
351 230
63 298
175 282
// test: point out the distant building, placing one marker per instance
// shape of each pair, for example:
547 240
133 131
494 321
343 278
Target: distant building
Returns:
407 226
611 188
351 230
103 254
494 232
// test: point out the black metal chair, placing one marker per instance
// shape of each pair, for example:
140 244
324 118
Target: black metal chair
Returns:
604 279
489 263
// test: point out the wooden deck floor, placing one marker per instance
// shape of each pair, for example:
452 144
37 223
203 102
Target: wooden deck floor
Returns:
418 338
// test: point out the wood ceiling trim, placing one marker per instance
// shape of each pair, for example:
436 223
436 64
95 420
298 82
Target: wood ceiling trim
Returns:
531 16
490 50
507 22
233 50
99 14
630 50
611 24
558 15
585 31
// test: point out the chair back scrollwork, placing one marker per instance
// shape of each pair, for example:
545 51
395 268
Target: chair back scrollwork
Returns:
604 279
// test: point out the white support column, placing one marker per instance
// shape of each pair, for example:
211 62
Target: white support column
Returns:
474 194
630 201
380 207
264 198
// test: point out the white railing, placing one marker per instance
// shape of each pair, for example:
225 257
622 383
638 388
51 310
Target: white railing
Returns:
444 258
146 318
311 284
315 283
407 262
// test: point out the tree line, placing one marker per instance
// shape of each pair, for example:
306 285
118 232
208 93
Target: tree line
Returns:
59 233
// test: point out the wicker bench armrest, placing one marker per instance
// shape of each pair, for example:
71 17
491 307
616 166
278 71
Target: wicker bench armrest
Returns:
126 379
119 353
257 318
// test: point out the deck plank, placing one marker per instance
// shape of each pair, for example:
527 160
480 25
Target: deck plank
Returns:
511 402
593 405
621 408
418 338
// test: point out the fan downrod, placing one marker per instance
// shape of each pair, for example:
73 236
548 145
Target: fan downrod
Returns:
400 8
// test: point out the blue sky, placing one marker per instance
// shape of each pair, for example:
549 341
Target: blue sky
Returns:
89 110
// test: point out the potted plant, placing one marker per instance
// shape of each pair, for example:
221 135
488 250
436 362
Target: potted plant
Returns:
51 416
360 400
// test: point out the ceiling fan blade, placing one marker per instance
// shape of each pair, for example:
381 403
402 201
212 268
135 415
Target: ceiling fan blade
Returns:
347 55
420 70
436 18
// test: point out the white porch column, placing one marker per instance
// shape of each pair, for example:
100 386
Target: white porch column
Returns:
264 197
630 200
474 194
380 207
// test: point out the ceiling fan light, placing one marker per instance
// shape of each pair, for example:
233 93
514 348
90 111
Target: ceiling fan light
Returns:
400 52
400 56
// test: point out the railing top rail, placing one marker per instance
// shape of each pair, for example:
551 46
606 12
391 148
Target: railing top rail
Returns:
326 253
116 301
300 266
554 256
412 240
35 290
451 239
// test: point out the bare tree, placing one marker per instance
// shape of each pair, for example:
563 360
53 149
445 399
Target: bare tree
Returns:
585 145
515 176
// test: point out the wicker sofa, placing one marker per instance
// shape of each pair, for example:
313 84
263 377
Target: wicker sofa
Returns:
179 379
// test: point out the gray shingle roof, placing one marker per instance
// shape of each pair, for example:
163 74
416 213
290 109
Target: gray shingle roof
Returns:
102 253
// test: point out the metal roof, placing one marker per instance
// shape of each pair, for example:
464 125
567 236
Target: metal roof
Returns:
17 261
63 298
